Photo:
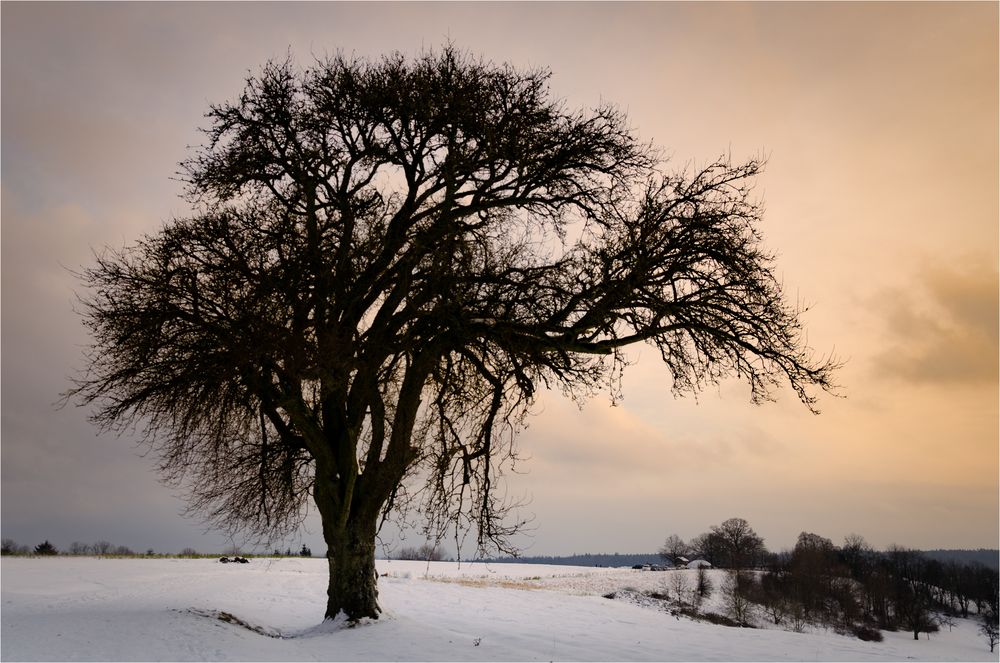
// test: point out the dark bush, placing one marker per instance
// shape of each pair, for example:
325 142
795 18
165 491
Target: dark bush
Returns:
46 548
867 633
721 620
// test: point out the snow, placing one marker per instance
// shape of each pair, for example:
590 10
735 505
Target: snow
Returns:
169 609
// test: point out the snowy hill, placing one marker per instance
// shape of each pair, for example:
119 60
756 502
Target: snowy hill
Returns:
181 609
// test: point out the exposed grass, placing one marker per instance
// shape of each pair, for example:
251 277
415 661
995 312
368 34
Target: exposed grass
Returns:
521 583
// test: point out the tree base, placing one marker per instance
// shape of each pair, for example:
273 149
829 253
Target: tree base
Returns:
353 588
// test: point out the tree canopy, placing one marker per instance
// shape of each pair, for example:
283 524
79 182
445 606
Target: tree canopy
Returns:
387 260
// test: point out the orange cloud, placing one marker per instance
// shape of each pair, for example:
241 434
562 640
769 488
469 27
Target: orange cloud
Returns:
946 329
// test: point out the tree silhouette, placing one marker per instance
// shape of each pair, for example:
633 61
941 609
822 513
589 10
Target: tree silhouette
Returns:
990 630
740 543
388 260
673 549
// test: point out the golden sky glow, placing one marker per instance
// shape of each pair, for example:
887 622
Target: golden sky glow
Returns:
880 124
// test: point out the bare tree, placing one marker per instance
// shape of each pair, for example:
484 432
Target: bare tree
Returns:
741 544
11 547
673 549
735 592
679 586
813 564
710 547
431 553
387 260
990 629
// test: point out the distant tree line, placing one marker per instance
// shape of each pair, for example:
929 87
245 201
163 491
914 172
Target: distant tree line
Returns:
986 557
611 560
10 547
108 549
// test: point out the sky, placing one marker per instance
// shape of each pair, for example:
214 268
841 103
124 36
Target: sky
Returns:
879 122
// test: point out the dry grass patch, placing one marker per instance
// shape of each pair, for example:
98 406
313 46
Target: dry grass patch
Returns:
505 583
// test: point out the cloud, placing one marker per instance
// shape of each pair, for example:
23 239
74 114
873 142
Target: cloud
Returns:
946 329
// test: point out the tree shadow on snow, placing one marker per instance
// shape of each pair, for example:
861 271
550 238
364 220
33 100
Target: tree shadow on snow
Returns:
323 628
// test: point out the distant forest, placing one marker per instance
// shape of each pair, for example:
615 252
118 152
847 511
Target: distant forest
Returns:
989 558
609 560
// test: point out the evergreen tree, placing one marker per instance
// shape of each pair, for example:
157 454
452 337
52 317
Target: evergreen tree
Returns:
46 548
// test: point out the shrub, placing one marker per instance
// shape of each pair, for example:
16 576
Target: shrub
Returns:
867 633
703 586
721 620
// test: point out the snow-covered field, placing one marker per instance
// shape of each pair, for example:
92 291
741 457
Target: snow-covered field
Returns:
166 609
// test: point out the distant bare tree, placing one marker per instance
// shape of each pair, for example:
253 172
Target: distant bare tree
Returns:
736 596
388 260
431 553
742 545
990 629
79 548
673 548
679 586
103 548
408 553
856 553
813 564
709 547
11 547
189 552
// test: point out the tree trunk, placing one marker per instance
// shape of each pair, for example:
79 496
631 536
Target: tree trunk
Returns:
353 580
